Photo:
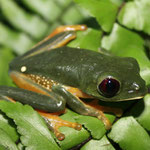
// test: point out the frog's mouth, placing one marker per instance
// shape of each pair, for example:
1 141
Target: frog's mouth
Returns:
133 98
125 99
135 95
119 98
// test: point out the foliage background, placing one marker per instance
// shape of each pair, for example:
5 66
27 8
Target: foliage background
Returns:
122 27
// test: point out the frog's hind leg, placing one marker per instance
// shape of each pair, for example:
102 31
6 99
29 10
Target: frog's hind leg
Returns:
48 44
67 28
61 36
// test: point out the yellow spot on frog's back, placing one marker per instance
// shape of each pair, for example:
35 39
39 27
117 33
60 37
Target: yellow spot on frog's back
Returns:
23 68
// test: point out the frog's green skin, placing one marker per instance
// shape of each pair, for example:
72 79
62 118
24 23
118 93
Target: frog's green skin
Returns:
73 67
85 69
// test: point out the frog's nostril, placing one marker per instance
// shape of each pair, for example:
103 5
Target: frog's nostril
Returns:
136 86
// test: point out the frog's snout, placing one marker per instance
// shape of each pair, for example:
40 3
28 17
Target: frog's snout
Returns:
134 88
138 90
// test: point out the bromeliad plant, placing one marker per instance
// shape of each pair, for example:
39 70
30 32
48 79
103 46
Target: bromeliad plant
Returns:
110 35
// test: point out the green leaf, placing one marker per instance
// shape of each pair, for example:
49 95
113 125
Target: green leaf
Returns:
72 15
22 20
20 146
125 43
92 124
117 2
72 136
85 41
47 8
130 135
6 142
135 15
102 144
29 125
64 3
101 10
141 111
8 126
19 42
5 57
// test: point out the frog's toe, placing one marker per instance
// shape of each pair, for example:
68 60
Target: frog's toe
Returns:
105 120
77 126
59 136
107 123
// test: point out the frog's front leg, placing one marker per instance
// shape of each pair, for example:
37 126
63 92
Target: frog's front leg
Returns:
78 106
50 102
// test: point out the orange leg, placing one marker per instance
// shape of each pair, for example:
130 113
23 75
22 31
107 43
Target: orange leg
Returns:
61 29
67 28
56 122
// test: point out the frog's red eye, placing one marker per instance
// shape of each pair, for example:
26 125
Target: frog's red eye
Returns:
109 87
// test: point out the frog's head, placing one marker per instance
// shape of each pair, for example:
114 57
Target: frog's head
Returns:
119 80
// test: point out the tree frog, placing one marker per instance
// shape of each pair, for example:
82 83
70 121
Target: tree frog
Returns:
52 75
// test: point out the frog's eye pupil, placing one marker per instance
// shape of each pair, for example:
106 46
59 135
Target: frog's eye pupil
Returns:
109 87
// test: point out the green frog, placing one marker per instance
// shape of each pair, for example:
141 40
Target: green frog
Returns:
52 75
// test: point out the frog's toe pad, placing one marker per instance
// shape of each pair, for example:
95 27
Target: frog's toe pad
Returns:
59 136
78 126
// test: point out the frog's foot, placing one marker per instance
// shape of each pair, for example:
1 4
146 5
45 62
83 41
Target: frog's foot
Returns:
117 111
104 119
56 122
67 28
91 111
70 35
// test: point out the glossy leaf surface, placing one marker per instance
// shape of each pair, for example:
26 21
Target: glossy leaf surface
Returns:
84 40
6 142
135 15
126 130
29 125
102 144
101 10
141 111
8 126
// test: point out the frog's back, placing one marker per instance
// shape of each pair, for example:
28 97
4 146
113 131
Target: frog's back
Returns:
69 66
65 65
